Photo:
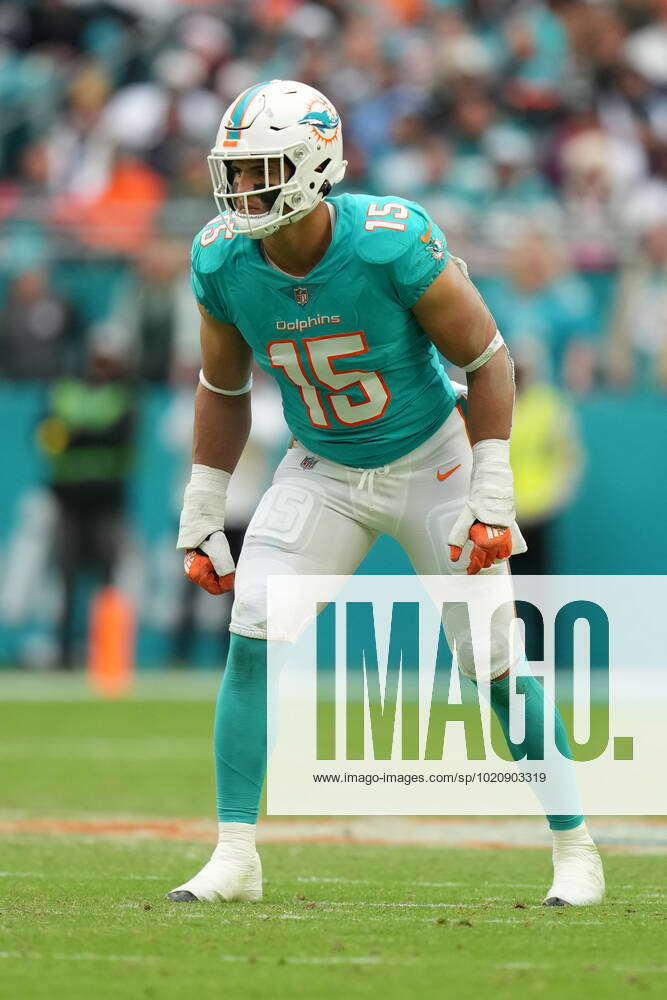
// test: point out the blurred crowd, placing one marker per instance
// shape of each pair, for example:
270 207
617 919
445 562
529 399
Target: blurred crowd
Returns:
535 133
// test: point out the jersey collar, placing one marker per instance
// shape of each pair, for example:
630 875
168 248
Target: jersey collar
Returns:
337 253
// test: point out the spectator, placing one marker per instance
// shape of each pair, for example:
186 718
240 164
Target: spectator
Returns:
120 218
415 164
155 315
87 436
646 49
519 193
638 341
536 59
597 173
473 115
39 331
546 456
538 297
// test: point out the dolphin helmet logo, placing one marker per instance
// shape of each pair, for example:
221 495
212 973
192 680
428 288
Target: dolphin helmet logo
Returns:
322 119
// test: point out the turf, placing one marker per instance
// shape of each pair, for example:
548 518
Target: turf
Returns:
84 918
147 757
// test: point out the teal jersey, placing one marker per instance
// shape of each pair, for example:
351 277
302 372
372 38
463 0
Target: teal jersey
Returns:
361 382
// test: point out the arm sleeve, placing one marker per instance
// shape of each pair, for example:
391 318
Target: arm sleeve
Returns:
422 261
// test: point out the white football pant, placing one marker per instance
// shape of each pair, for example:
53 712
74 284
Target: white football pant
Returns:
320 517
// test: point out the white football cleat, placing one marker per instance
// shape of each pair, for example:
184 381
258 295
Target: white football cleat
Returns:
578 875
230 875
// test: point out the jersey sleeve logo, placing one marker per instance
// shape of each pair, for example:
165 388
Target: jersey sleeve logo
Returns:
434 246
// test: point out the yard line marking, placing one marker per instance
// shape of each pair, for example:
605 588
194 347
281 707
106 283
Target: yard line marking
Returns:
520 966
492 905
79 878
24 875
83 956
119 748
438 885
485 904
636 969
134 878
427 885
488 902
320 960
517 920
315 960
342 881
442 885
639 969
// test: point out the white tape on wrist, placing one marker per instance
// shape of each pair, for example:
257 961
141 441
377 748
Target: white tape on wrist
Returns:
203 506
487 354
225 392
491 450
492 483
207 477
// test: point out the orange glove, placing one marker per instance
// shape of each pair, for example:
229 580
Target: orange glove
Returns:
489 544
199 568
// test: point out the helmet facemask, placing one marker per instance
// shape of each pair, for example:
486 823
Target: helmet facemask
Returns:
282 194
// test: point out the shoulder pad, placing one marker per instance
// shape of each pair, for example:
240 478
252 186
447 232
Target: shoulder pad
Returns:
378 244
212 246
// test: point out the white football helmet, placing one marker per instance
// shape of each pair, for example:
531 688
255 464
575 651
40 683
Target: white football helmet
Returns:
295 132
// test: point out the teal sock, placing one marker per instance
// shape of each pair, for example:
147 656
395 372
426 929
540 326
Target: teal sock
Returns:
239 738
533 744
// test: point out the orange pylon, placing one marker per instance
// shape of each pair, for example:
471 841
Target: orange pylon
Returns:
111 641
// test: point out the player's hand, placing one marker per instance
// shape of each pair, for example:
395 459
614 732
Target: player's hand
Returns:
208 561
490 544
488 519
211 565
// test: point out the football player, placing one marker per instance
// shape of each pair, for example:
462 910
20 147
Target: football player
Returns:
346 301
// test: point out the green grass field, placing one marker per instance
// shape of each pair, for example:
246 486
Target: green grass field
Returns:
84 917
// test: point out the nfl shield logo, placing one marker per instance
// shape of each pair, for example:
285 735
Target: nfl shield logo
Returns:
309 462
301 295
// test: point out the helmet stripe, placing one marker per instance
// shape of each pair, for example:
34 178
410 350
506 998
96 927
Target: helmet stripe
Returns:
238 112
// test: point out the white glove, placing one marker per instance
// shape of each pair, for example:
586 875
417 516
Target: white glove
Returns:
216 548
202 527
491 502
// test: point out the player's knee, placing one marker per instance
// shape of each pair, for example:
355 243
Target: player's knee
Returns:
480 665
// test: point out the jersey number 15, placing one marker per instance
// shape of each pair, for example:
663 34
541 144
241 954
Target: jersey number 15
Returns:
321 352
